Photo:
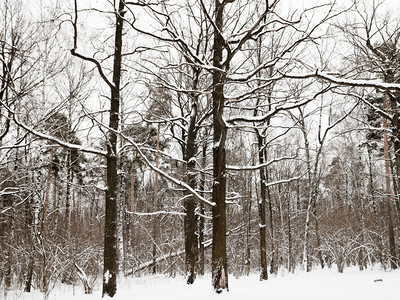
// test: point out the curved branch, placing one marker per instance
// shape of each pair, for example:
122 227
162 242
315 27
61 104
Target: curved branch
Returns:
90 59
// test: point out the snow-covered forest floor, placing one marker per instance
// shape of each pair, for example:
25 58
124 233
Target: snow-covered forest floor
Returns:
371 284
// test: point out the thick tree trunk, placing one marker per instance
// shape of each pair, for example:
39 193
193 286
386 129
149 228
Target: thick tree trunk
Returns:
110 235
274 258
219 264
31 265
189 203
318 238
219 257
190 240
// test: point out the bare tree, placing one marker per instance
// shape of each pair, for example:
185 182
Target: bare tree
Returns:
375 41
110 228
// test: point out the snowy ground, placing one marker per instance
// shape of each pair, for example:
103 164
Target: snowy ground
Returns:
372 284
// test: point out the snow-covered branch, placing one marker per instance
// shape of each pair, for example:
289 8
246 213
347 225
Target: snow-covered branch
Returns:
83 148
259 166
165 174
284 180
157 213
345 81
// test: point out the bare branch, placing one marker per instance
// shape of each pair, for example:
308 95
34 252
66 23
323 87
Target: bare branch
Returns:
83 57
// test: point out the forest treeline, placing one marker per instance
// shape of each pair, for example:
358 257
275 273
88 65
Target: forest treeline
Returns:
186 137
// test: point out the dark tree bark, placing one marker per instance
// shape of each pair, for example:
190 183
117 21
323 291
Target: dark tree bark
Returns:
201 225
261 212
6 79
317 236
395 188
247 218
35 238
6 226
68 192
110 235
31 265
219 265
156 227
110 270
189 203
274 258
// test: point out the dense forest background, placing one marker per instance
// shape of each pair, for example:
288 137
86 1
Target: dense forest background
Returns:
183 137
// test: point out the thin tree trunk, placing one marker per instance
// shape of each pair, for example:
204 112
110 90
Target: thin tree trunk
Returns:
120 229
67 277
201 224
132 192
68 193
35 237
389 204
74 208
372 187
155 207
313 182
395 188
291 263
55 206
247 220
362 253
9 235
46 197
306 259
121 198
262 214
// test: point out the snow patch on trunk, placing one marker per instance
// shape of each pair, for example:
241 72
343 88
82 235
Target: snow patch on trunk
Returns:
107 276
